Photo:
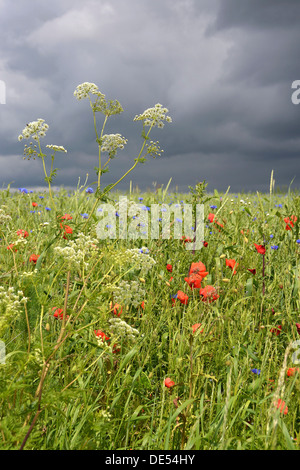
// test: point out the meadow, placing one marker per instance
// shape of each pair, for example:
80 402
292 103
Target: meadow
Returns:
142 344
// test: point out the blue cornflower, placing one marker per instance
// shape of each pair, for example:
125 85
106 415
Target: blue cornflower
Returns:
213 207
271 236
89 190
85 216
23 190
256 371
178 220
274 247
48 208
141 198
298 241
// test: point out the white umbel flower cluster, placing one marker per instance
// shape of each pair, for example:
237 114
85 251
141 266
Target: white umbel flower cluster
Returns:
128 293
4 218
121 328
20 242
36 129
111 143
154 116
76 252
10 305
56 148
82 91
138 258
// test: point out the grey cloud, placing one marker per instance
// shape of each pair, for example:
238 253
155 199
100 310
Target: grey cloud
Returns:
223 68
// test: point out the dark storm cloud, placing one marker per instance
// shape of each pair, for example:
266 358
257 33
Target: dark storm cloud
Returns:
223 68
258 15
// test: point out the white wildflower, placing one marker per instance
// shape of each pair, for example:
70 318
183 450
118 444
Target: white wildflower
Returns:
10 305
154 116
4 217
77 251
82 91
35 129
56 148
111 143
128 293
121 328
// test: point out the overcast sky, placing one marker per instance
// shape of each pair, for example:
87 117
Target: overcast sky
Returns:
223 68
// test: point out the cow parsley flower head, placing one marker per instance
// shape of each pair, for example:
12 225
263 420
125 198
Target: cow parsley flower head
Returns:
82 91
4 218
121 328
77 252
154 116
128 293
36 129
56 148
111 143
10 306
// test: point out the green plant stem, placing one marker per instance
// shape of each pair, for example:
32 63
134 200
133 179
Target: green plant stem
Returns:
120 179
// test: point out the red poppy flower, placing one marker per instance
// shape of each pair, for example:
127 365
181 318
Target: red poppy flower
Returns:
220 225
169 268
276 330
34 258
208 293
186 239
281 404
34 204
169 383
101 334
117 309
290 222
292 371
253 271
182 297
23 233
67 230
194 281
197 272
211 217
143 305
205 244
298 328
66 217
231 263
196 327
59 313
260 249
10 247
198 269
